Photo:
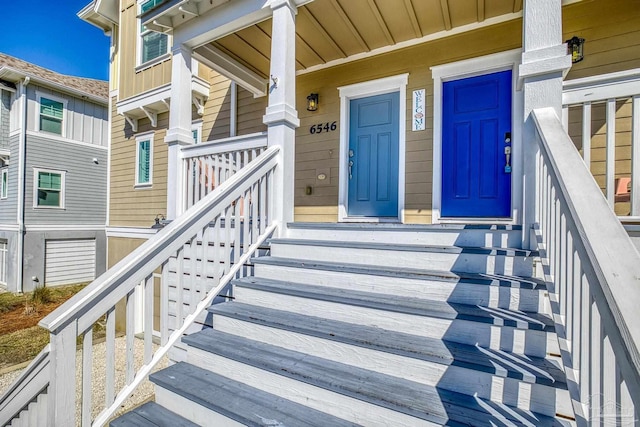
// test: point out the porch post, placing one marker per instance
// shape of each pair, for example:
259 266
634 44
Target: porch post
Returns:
281 116
544 62
179 132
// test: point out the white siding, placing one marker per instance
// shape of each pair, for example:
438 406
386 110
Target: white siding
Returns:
69 261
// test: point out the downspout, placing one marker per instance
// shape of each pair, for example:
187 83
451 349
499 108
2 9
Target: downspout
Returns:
22 154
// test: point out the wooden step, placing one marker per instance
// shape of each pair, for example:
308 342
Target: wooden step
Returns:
351 393
482 235
490 290
461 368
215 400
435 257
509 330
151 415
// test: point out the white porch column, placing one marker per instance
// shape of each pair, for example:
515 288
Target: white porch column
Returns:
544 62
179 132
281 116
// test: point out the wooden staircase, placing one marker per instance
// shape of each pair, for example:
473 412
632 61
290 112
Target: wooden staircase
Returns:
376 325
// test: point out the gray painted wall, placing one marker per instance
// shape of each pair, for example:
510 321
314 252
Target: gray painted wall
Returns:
34 245
85 182
9 206
12 258
84 121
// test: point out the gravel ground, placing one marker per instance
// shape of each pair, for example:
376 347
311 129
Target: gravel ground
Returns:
143 393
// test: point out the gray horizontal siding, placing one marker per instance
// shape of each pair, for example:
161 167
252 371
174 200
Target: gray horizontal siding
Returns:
9 206
85 121
85 182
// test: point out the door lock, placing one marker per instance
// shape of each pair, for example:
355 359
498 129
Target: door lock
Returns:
351 154
507 154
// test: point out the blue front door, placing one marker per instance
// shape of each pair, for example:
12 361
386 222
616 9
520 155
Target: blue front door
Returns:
476 137
373 156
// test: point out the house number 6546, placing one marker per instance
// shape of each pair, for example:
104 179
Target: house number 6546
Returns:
323 127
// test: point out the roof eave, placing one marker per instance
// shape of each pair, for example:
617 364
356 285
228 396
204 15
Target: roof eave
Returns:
100 14
14 75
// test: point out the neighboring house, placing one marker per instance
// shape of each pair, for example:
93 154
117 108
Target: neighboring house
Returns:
54 142
400 195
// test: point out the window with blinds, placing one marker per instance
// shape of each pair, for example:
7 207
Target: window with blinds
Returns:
51 115
144 160
152 44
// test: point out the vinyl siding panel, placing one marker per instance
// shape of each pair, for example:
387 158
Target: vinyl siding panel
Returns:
84 121
611 29
131 206
9 206
85 181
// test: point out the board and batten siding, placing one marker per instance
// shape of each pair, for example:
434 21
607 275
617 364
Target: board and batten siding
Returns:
134 80
85 181
69 261
9 206
5 111
84 121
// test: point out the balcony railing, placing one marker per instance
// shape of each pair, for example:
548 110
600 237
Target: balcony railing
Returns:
602 116
208 165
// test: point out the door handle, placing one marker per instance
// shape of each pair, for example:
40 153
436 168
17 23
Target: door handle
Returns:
350 166
507 155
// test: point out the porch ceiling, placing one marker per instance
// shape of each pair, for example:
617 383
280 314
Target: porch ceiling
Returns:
332 30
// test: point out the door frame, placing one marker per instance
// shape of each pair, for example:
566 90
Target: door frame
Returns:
391 84
502 61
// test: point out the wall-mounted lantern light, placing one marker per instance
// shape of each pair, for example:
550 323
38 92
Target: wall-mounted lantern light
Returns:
158 224
312 102
575 47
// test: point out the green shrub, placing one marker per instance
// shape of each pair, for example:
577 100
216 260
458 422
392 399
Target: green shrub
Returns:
41 295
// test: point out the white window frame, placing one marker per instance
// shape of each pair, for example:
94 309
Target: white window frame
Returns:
39 96
141 138
62 174
4 250
397 83
197 126
163 57
4 184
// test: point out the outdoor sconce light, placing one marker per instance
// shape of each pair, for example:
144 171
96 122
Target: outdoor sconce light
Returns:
575 47
158 225
312 102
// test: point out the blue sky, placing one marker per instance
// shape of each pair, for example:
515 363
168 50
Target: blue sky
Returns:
48 33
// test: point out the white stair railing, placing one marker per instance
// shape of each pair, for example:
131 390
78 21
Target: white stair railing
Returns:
611 102
593 271
214 232
208 165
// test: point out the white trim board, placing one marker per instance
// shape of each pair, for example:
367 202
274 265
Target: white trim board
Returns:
59 138
131 232
361 90
62 227
508 60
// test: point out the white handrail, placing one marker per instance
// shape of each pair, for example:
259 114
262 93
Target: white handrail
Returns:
222 231
594 273
33 380
221 146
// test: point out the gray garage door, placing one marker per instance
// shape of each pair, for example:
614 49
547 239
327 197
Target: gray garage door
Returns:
69 261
